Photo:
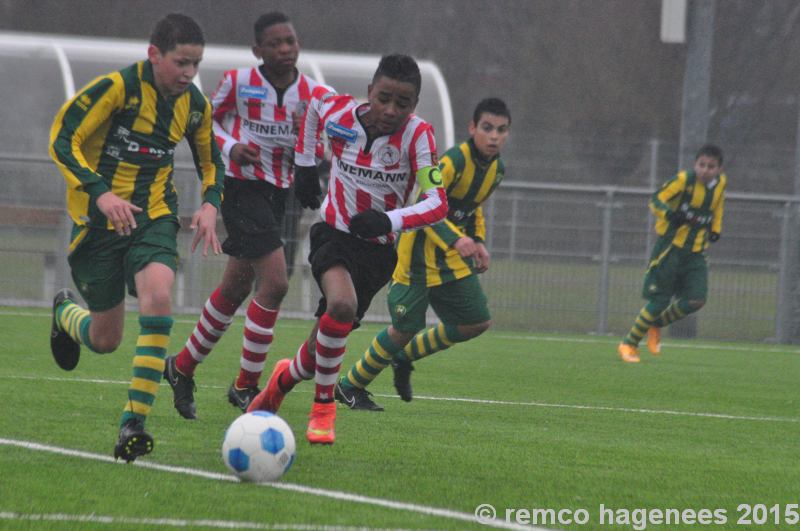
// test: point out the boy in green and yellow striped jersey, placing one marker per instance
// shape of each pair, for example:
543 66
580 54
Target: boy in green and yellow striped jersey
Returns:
114 142
437 266
688 210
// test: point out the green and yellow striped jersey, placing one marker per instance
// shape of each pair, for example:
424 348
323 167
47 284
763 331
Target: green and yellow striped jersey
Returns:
686 192
427 256
119 134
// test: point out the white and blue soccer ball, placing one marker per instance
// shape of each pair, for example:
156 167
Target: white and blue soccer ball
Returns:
259 447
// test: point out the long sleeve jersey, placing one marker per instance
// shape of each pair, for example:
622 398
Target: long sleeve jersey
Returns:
427 256
378 173
686 193
250 111
119 134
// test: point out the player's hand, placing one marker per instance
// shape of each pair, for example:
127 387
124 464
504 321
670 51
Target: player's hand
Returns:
481 258
306 186
244 155
465 247
370 224
119 212
204 223
713 237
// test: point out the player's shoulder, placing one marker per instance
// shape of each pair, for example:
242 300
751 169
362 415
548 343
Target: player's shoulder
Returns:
326 94
312 83
723 180
457 153
416 122
197 100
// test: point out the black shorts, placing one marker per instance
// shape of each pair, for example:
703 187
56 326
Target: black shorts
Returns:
370 264
252 212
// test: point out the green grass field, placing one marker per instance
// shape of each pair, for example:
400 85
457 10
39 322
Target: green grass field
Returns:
518 421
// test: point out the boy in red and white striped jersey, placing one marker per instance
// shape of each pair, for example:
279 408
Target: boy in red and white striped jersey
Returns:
381 151
257 112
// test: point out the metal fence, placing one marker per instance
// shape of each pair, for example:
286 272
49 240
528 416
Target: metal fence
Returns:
565 258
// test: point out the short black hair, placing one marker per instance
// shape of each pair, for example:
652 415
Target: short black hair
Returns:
269 19
494 106
175 29
710 150
400 68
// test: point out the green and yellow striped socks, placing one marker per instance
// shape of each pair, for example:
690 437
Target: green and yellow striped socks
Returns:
75 321
674 312
376 358
645 319
430 341
148 366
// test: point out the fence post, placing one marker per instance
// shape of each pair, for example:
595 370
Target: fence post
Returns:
783 304
605 259
652 182
512 241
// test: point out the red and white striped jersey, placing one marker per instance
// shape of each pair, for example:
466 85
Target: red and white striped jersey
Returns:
380 176
247 111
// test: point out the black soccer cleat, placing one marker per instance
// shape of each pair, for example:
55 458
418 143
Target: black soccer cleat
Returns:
133 441
66 351
355 398
241 398
402 379
183 389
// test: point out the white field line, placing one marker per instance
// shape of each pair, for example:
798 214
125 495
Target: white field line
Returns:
163 522
668 344
333 494
528 337
644 411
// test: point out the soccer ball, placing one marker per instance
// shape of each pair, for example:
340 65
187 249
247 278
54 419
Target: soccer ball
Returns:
259 447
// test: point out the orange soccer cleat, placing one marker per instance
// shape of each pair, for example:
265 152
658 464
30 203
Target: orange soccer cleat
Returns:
654 340
628 353
271 397
320 423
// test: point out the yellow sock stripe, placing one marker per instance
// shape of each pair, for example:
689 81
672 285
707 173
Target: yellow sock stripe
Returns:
139 408
646 316
153 340
363 372
149 362
443 336
380 351
419 343
71 316
146 386
374 363
431 333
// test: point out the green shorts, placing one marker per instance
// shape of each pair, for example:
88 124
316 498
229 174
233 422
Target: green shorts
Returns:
103 263
460 302
676 272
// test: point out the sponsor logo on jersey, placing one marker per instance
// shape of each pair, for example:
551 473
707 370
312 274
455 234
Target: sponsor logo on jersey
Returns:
339 131
251 91
276 129
369 173
389 155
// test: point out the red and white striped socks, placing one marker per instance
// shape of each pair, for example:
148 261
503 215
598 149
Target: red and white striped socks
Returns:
331 343
257 339
214 320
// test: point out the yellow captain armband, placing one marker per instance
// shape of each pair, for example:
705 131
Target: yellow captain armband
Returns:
429 177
